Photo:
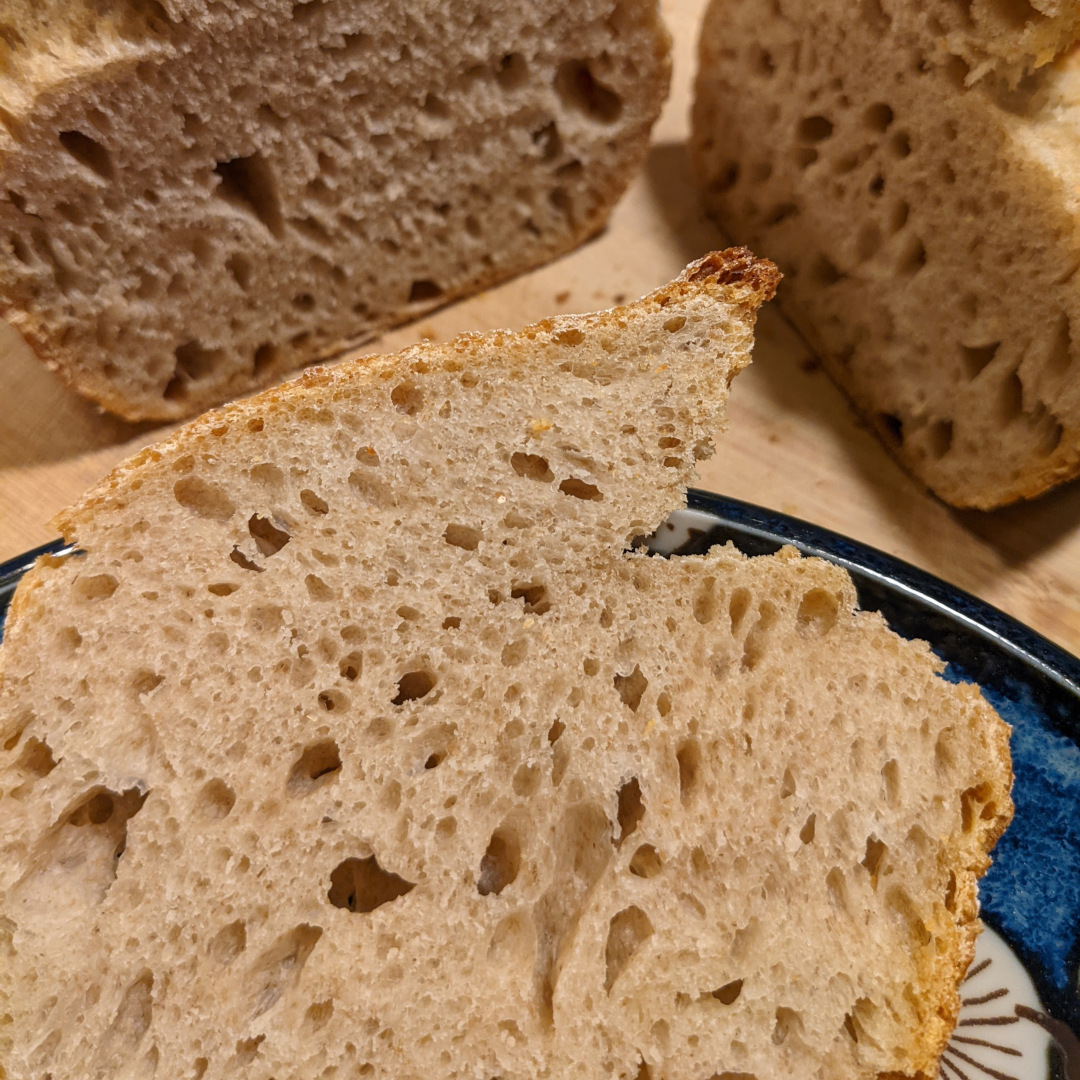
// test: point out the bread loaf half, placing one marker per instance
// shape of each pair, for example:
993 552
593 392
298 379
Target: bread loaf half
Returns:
929 230
358 743
196 197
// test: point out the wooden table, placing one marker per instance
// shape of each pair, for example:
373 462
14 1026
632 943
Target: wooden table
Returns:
793 443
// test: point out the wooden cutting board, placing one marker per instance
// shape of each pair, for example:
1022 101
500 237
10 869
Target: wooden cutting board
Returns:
793 444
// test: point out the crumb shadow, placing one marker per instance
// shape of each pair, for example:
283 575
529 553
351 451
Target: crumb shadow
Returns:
671 183
42 420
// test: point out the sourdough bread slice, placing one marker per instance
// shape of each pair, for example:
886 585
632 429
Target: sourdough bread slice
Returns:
929 232
200 196
357 743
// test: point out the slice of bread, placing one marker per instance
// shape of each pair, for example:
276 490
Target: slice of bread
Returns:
357 743
929 231
196 197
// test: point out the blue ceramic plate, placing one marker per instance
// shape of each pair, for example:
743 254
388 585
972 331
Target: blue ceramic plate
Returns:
1020 1017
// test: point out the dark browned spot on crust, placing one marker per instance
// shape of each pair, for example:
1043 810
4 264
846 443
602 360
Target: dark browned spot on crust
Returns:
735 266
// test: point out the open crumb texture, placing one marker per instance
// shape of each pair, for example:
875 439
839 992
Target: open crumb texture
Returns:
359 743
927 223
197 197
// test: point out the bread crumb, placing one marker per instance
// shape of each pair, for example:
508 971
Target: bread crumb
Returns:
537 426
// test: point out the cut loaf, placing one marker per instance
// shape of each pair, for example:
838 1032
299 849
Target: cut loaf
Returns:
928 230
358 744
196 197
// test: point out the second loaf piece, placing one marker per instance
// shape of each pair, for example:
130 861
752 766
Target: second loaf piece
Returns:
199 197
928 231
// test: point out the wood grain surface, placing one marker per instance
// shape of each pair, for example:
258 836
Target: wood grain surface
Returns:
793 444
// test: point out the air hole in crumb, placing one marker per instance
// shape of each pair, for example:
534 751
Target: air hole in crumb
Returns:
890 773
818 612
36 758
500 864
407 398
975 805
463 536
627 931
241 560
268 538
534 594
631 687
247 184
240 268
663 703
318 589
88 152
631 809
689 761
950 893
976 357
645 862
675 323
512 72
788 1022
318 765
90 587
941 437
913 258
412 686
277 971
579 489
579 89
351 666
215 800
787 784
318 1015
451 622
229 942
806 833
555 731
892 427
532 467
222 588
332 700
313 502
705 601
144 681
878 117
900 145
204 499
526 780
1010 398
362 885
875 852
424 290
514 652
570 336
729 992
814 129
738 606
